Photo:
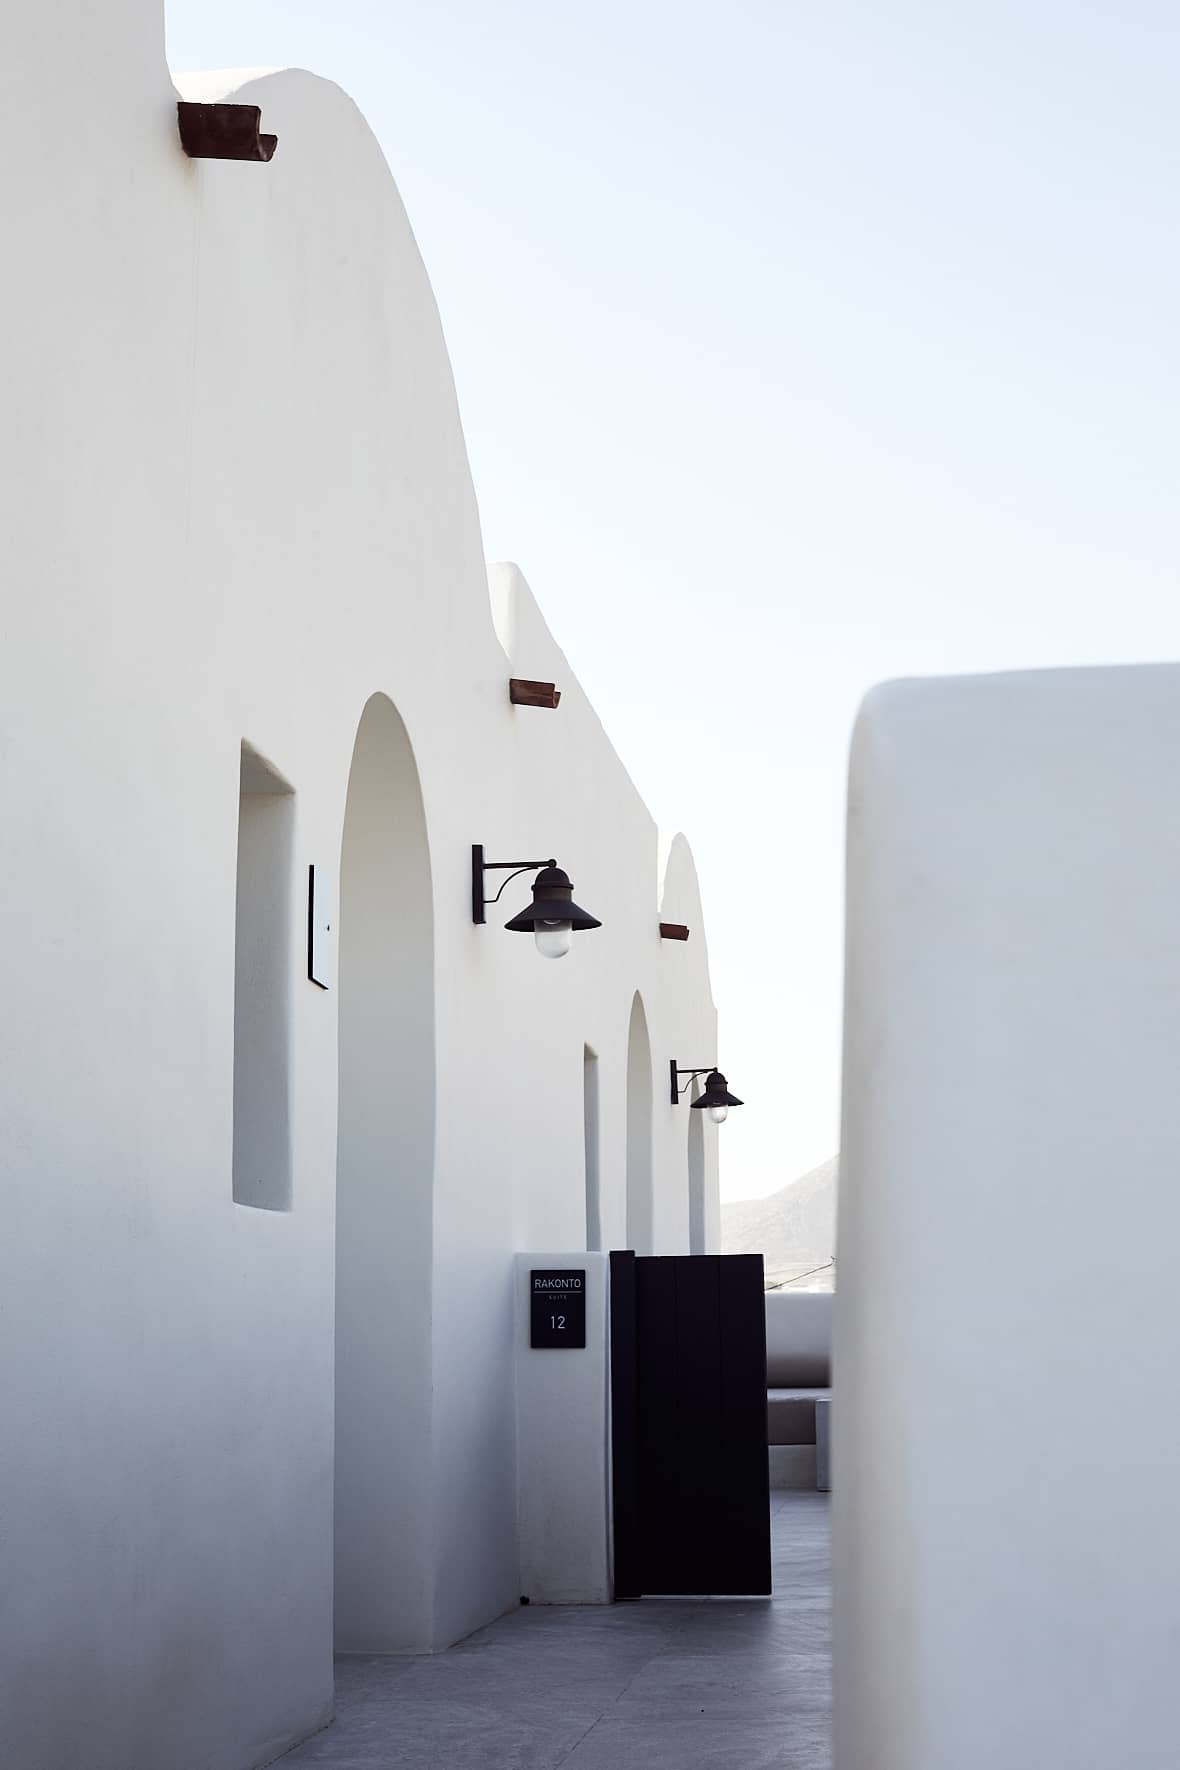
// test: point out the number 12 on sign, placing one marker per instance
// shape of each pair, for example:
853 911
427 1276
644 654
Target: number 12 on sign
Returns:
557 1309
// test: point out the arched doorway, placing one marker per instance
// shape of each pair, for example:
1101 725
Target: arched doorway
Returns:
384 1185
640 1201
590 1144
696 1176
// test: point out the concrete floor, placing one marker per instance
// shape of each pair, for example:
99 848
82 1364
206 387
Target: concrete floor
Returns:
683 1684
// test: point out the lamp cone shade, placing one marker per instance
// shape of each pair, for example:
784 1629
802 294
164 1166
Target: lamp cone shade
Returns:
716 1093
553 901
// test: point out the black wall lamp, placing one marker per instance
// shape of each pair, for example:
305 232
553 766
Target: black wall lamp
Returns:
715 1097
553 918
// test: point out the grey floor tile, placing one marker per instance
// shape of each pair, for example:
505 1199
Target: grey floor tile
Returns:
699 1683
677 1684
798 1742
459 1736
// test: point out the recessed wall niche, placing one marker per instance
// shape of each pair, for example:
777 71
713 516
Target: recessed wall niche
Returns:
262 987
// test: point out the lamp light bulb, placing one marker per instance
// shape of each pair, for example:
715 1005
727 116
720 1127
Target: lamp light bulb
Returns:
553 938
719 1114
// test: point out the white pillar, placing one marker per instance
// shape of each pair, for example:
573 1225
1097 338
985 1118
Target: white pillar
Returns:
1007 1445
563 1436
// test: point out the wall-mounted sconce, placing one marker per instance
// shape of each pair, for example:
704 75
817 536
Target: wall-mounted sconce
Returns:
715 1099
524 693
553 918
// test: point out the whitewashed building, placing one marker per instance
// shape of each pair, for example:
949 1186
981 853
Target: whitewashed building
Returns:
259 1234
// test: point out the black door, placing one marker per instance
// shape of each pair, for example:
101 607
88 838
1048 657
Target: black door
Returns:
688 1403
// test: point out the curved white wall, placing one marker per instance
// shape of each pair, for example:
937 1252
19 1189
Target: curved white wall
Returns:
237 506
689 1215
640 1198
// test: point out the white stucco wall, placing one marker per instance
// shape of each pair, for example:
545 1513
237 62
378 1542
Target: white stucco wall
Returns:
1006 1456
236 506
562 1405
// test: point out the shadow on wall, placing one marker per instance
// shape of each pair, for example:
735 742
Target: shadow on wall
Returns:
262 986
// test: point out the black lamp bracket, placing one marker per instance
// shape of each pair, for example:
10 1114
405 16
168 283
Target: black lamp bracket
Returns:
480 866
706 1069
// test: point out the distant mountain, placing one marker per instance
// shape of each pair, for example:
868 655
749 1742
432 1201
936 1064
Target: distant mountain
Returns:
794 1228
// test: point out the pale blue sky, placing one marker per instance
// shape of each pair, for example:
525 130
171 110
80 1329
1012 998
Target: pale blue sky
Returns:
798 346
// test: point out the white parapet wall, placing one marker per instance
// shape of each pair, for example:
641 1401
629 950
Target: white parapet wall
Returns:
1007 1448
562 1397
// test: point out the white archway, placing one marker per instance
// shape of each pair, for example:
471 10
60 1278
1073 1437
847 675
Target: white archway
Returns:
384 1187
697 1231
590 1139
640 1195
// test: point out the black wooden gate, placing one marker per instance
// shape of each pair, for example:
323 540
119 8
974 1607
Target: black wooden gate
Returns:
688 1387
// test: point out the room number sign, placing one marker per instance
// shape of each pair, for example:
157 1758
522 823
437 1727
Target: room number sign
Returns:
557 1309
